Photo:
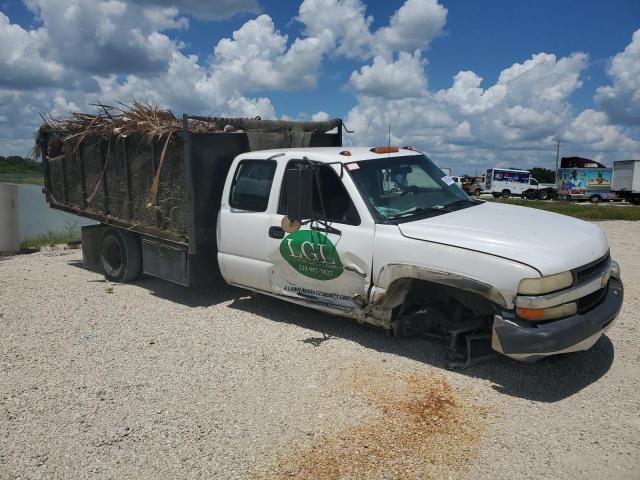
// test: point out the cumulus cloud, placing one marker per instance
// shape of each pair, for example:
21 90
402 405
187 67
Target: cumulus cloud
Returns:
511 122
114 50
107 36
207 9
392 79
320 116
257 57
621 100
413 25
344 22
22 64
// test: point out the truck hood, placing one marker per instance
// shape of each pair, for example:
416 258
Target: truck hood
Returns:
548 242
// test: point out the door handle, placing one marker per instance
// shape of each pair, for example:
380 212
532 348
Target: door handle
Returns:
276 232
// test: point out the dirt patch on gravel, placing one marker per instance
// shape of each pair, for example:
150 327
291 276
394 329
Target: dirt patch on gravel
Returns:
423 429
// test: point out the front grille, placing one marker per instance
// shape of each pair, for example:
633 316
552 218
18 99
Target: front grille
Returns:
590 272
592 300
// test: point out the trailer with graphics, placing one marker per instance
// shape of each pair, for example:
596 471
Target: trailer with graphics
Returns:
587 183
379 235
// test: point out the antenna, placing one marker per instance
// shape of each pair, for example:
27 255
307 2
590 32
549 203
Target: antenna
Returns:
389 141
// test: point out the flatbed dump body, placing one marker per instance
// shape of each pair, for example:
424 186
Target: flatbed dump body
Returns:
111 180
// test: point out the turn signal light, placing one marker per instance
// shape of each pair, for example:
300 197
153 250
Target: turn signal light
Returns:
385 150
530 313
551 313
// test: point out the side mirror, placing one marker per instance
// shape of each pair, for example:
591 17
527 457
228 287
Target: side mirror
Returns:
299 188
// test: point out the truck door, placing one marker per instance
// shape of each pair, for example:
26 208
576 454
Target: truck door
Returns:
243 223
324 264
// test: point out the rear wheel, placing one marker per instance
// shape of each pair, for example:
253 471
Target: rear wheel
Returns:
120 255
543 195
496 195
595 198
506 193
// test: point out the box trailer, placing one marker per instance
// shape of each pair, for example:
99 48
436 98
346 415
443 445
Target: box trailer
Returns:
626 180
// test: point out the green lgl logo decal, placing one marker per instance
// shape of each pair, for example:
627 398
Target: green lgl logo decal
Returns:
312 254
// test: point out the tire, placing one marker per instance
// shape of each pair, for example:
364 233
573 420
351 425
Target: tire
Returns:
477 192
506 193
635 200
543 195
120 255
595 199
496 195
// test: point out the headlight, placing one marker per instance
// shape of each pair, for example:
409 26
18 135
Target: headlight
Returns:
540 286
539 314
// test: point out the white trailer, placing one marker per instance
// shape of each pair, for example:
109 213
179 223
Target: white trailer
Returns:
504 182
626 180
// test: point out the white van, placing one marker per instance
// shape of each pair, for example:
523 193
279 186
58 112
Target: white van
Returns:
506 182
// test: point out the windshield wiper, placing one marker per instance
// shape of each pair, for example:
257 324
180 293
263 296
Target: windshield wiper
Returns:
462 203
450 207
417 211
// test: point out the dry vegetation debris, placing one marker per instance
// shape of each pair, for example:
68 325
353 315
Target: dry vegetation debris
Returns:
423 429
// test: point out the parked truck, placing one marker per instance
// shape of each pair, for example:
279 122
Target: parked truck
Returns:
626 180
586 183
507 182
379 235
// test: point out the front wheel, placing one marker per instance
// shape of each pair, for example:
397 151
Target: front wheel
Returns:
543 195
477 192
595 199
120 255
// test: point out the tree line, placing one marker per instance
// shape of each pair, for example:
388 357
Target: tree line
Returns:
19 165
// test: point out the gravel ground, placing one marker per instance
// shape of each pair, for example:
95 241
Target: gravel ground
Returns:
148 380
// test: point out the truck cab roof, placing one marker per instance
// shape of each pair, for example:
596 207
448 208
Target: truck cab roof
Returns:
327 154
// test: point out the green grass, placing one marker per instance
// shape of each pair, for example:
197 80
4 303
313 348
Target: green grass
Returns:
31 178
585 211
69 234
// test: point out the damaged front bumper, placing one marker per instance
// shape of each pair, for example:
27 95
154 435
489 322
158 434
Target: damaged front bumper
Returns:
529 342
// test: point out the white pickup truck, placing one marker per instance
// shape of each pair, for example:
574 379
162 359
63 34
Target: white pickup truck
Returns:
383 236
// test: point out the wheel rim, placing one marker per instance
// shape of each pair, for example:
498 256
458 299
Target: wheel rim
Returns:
111 254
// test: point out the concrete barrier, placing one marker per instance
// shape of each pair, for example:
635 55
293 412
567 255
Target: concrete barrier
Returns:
9 223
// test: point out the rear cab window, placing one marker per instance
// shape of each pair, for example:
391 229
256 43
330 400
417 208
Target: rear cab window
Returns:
251 185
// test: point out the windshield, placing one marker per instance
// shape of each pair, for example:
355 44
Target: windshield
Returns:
402 188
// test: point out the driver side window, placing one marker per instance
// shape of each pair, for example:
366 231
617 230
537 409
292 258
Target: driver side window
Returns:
338 206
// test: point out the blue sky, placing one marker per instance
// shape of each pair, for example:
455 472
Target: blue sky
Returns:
549 68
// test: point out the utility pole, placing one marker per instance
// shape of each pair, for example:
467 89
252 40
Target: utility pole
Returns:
557 158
